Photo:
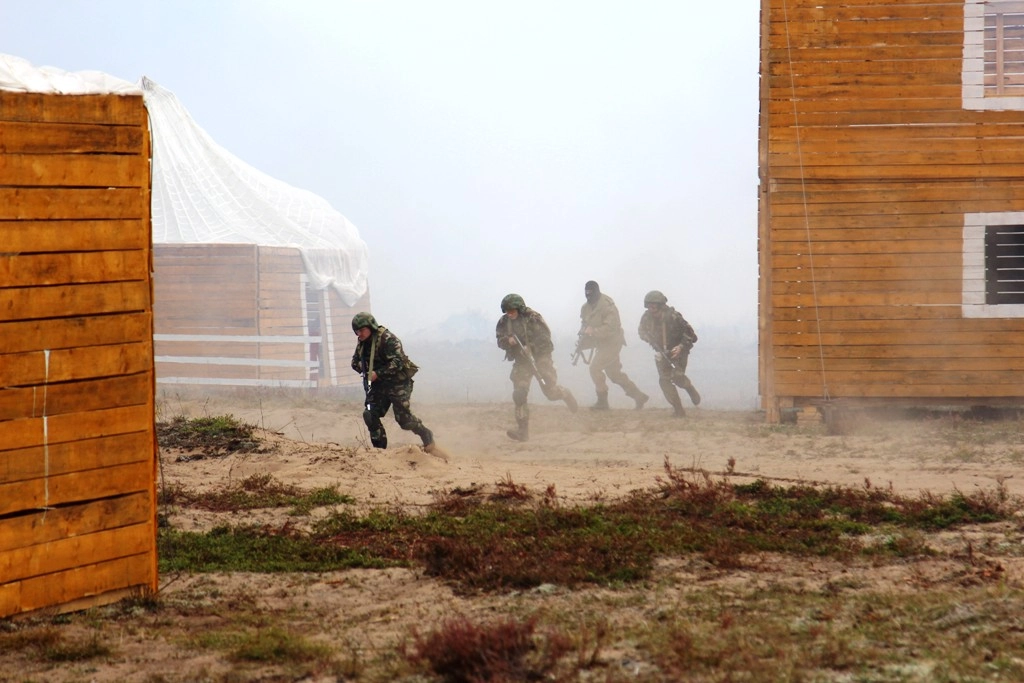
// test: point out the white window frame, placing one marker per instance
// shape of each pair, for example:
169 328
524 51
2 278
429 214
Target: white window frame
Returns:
973 75
973 297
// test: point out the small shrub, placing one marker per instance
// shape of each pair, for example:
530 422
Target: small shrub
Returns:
503 651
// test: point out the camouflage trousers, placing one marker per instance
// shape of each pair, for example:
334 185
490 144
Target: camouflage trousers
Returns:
522 377
672 375
384 395
606 363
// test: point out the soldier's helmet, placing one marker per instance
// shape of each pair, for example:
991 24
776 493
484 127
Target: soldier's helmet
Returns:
655 297
364 319
512 302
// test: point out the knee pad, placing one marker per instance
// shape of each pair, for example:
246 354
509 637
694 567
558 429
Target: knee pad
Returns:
368 418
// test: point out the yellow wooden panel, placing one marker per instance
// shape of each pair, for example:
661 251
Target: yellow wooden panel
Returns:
872 221
17 137
901 366
60 365
21 203
825 288
890 272
27 303
63 587
24 531
109 109
896 337
900 391
87 425
101 235
867 313
70 397
898 156
867 248
27 270
74 170
860 299
837 374
843 118
811 10
64 333
929 259
902 327
37 461
77 551
54 490
935 353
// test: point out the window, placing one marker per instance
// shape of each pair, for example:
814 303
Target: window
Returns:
1004 264
993 257
1004 48
993 64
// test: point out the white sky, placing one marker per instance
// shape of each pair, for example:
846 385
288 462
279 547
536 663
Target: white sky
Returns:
480 147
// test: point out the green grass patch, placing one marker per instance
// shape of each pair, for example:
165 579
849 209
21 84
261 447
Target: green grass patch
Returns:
257 491
515 543
257 549
217 435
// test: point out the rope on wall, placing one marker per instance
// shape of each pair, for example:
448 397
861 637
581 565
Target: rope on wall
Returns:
803 194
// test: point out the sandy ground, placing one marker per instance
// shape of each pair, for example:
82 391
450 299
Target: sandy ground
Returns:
600 454
587 456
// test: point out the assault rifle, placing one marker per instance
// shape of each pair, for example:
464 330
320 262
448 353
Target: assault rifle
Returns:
533 364
677 367
366 385
583 342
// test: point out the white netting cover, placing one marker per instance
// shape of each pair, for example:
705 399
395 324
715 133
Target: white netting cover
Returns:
19 74
204 194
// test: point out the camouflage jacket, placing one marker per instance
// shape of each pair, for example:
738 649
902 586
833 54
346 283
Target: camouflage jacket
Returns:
667 331
531 329
603 318
389 359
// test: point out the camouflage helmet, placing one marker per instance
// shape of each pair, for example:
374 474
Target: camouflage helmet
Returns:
512 301
655 297
364 319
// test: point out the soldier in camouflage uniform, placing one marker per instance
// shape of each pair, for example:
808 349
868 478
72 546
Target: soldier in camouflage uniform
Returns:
665 329
522 325
601 330
387 377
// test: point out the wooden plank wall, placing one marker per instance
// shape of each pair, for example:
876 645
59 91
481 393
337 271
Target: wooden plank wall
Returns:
239 315
868 164
77 434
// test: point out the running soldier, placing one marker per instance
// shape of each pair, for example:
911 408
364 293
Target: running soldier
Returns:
387 378
601 330
665 329
526 340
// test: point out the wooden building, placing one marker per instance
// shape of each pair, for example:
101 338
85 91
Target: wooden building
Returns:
891 203
77 434
246 315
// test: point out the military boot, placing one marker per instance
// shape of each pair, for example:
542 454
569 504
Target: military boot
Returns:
570 400
602 401
692 391
520 433
677 409
641 400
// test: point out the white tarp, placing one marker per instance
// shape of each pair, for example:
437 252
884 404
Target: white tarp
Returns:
203 194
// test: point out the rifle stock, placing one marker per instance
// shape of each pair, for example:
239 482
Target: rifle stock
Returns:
533 364
581 341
